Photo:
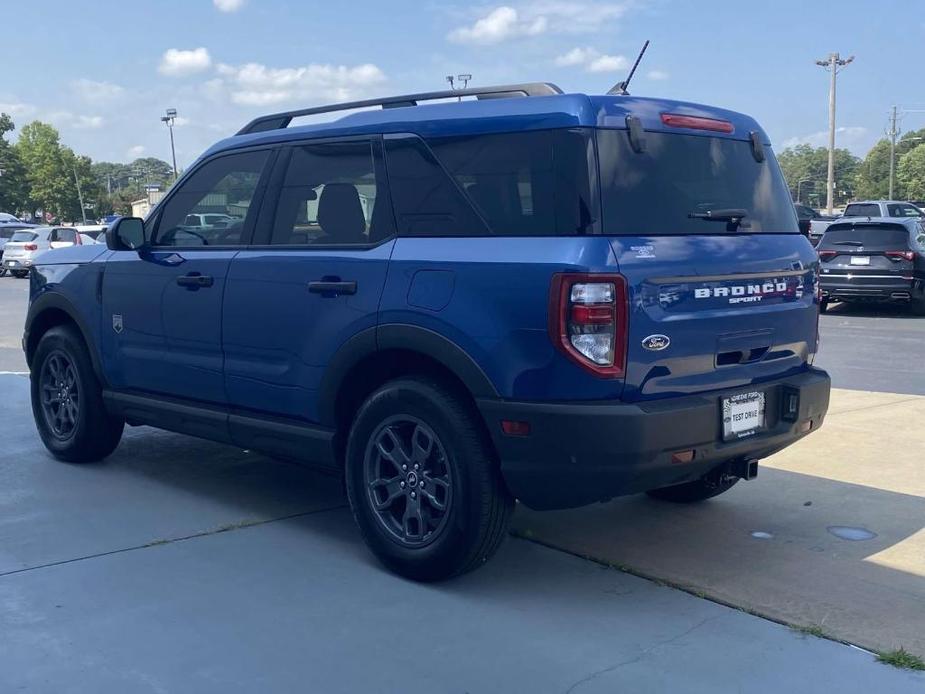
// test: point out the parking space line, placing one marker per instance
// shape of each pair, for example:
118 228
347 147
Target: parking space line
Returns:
156 543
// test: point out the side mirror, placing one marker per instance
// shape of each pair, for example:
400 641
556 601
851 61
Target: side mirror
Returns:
126 234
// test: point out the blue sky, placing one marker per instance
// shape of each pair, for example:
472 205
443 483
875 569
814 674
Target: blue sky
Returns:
103 72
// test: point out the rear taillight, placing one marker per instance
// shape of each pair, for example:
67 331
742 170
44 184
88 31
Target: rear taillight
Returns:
900 255
827 255
676 120
31 247
588 321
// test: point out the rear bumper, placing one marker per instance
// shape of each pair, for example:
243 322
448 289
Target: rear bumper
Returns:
880 288
578 453
17 263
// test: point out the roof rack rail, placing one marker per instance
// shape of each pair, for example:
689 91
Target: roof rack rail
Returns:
281 120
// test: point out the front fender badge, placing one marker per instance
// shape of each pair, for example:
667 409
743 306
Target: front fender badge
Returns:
117 322
656 343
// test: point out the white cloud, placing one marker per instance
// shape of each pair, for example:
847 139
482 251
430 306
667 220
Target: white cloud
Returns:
228 5
546 16
849 136
498 25
592 60
91 90
608 63
69 120
576 56
253 84
176 62
17 109
657 75
135 152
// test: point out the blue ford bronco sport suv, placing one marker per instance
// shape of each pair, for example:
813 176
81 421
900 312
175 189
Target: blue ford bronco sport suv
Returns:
556 298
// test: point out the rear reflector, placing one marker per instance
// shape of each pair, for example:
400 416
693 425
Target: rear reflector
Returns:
676 120
515 428
682 457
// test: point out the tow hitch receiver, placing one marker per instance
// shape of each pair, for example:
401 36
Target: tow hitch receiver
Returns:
744 468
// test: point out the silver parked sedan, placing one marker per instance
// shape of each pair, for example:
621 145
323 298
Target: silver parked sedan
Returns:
20 251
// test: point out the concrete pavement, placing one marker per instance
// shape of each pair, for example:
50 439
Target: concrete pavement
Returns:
775 546
184 566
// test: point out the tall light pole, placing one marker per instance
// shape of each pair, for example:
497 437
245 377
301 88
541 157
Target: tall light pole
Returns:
893 133
80 197
833 64
169 120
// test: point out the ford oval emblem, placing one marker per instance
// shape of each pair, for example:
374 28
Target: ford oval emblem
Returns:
656 343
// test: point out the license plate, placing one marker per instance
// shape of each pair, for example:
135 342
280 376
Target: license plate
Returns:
743 415
860 260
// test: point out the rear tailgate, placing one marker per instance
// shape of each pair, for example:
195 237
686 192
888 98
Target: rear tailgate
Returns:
736 310
721 283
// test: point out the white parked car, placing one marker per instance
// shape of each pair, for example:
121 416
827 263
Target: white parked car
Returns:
20 251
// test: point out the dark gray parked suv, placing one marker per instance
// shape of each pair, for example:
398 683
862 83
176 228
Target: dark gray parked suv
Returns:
874 259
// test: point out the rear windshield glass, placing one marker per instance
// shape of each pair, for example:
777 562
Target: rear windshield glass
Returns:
656 191
24 236
873 237
863 210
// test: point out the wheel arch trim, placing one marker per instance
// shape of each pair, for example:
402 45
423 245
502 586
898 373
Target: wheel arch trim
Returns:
55 301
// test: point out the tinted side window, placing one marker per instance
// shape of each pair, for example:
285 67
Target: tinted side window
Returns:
524 184
329 196
863 210
64 235
427 202
903 210
224 187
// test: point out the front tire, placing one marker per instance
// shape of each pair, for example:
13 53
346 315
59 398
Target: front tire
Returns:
422 481
708 486
67 400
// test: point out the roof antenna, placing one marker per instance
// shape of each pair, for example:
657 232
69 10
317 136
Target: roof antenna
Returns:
620 87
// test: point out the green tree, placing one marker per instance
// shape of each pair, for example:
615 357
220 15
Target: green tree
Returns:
872 181
14 187
806 167
40 150
910 173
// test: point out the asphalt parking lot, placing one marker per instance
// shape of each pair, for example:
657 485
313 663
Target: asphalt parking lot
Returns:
181 565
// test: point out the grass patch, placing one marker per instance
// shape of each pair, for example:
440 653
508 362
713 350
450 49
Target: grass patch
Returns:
901 659
810 630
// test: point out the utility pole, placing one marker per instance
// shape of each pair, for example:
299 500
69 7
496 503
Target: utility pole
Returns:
833 64
893 133
80 197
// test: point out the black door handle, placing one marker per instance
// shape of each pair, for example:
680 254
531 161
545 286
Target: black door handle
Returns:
332 288
195 280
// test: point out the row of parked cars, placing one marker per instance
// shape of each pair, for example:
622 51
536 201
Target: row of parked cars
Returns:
21 242
874 252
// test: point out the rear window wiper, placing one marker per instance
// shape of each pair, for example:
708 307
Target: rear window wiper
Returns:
732 216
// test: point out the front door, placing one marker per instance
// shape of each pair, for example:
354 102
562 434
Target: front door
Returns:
162 305
312 280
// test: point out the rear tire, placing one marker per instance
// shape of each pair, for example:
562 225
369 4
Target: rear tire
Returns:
917 306
422 481
823 306
67 400
706 487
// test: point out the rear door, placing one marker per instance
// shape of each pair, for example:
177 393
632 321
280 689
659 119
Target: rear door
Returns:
312 279
718 300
